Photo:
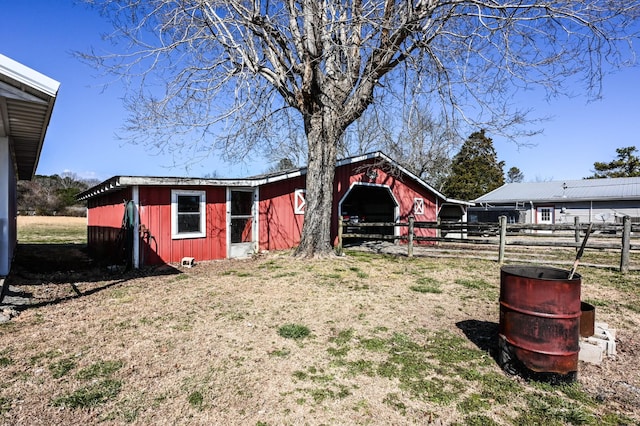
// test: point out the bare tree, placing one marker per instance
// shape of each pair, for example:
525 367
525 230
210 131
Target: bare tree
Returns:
425 146
374 130
229 73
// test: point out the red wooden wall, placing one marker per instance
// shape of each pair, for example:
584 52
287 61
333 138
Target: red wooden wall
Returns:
404 190
104 223
155 216
279 226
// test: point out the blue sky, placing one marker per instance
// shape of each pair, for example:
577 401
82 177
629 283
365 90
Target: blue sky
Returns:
81 138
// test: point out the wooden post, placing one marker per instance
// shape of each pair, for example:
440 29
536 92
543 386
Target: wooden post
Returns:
576 221
340 226
502 220
410 235
626 242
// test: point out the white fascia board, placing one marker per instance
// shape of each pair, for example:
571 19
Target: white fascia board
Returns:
461 202
30 77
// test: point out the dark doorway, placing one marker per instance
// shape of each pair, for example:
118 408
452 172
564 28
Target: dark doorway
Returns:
364 203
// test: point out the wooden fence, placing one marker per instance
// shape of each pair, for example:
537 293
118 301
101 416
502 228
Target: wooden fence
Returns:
610 236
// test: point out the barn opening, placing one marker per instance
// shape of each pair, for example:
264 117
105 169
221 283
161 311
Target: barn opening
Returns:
368 203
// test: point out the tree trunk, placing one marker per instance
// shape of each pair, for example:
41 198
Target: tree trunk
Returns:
322 135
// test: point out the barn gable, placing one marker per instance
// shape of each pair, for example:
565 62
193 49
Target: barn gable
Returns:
222 218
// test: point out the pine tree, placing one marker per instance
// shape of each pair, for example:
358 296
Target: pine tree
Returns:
514 175
627 165
475 169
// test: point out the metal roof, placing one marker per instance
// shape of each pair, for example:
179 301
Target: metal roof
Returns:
567 190
26 103
118 182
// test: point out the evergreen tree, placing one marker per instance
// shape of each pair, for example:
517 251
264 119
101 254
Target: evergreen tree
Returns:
514 175
475 169
627 165
282 165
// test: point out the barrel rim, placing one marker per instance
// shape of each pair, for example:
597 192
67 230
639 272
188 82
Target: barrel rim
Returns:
510 269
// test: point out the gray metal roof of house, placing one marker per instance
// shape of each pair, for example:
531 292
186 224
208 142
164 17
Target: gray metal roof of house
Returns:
567 190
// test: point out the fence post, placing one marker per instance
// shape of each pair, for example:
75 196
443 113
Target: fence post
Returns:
340 226
576 222
502 220
626 242
410 235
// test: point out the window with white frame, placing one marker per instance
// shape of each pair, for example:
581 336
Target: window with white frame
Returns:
418 206
299 201
188 214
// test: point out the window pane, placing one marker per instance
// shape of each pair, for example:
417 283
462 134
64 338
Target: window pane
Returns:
241 230
241 202
546 214
188 204
188 222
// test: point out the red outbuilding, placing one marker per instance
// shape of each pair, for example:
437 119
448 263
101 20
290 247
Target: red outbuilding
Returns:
154 220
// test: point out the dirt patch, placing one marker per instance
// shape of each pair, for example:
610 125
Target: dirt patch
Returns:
392 341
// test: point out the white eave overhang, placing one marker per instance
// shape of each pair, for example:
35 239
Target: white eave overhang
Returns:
27 98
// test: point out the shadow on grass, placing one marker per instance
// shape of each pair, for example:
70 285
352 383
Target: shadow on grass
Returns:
483 334
48 274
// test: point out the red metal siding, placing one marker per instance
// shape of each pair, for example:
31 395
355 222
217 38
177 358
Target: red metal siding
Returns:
280 228
104 222
404 191
155 216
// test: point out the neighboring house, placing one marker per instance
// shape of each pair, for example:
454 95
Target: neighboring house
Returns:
591 200
153 220
26 102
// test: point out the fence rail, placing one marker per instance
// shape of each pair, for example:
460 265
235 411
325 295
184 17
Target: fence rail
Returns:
611 236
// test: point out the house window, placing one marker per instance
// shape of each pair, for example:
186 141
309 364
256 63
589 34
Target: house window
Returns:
418 206
299 201
188 214
545 215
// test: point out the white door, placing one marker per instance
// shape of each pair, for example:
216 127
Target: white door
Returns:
545 215
241 222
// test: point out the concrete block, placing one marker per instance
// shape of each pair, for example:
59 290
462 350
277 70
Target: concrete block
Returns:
591 353
607 335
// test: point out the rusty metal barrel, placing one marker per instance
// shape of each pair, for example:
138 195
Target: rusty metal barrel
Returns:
539 326
587 319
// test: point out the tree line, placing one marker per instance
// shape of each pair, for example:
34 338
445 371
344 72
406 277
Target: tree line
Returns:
53 195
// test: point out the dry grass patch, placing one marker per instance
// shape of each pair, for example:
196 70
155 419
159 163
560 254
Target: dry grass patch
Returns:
52 230
278 340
